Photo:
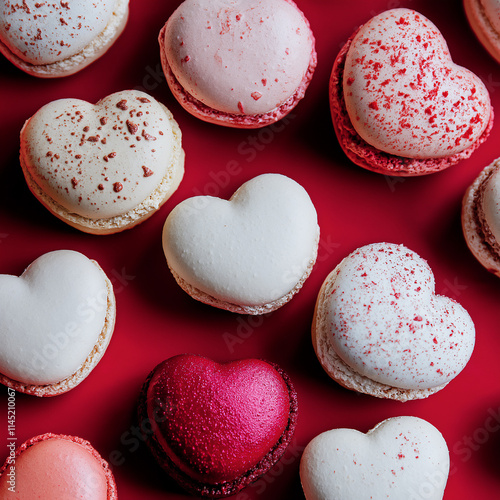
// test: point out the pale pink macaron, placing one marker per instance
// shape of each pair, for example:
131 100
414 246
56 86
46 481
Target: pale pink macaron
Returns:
55 466
481 217
54 39
484 19
239 63
399 104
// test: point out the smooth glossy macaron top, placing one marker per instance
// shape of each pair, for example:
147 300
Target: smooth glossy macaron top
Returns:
385 321
403 93
51 317
51 467
46 32
251 250
243 57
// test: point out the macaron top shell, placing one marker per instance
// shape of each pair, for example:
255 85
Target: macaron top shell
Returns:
217 421
57 468
403 93
47 32
66 295
244 57
99 161
386 322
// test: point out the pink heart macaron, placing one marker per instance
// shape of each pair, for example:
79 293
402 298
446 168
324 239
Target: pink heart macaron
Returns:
56 322
399 104
484 19
56 466
54 39
106 167
481 217
250 254
215 428
379 327
238 63
400 458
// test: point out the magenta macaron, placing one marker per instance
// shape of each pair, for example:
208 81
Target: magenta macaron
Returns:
215 428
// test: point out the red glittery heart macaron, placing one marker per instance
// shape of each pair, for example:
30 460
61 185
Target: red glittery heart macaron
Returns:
215 428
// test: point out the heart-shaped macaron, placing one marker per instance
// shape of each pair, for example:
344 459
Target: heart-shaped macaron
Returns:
56 321
217 427
105 167
52 39
249 254
399 104
409 98
56 466
380 328
402 458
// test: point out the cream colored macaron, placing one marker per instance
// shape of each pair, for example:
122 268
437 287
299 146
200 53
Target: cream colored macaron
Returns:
401 458
249 254
106 167
55 39
379 328
56 322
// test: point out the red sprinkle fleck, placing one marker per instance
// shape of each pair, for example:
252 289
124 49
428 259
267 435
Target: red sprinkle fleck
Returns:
117 187
132 127
147 136
240 107
144 100
86 129
122 104
74 182
373 105
104 120
256 95
100 187
147 171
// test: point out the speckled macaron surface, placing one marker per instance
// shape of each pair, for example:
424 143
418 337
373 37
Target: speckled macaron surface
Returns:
51 318
401 458
378 313
46 32
217 427
112 161
409 98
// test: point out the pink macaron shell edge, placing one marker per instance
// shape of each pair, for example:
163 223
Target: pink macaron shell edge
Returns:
228 488
110 480
366 156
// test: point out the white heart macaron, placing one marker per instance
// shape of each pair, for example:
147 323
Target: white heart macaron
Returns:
380 328
56 321
106 167
402 458
54 39
250 254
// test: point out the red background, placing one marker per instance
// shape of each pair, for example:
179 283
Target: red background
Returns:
156 319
